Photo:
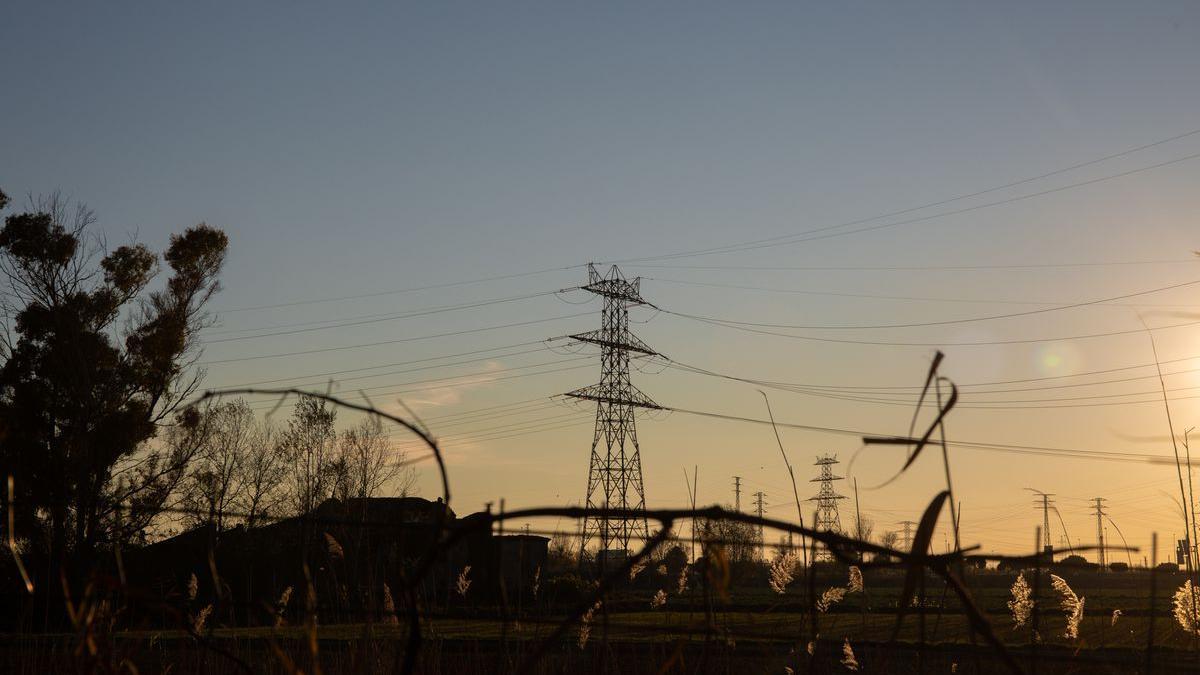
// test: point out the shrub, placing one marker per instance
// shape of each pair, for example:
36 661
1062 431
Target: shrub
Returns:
564 588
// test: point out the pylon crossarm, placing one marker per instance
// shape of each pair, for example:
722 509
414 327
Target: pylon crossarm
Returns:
625 292
630 343
614 400
632 398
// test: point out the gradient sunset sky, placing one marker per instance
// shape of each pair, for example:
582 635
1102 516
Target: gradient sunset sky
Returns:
356 152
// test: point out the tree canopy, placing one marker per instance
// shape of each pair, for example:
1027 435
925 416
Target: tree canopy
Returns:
95 362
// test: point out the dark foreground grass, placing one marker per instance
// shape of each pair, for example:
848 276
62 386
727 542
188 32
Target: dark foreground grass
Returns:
633 642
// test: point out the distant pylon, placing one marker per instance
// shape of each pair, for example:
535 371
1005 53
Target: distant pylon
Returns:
737 493
906 544
758 509
615 469
1044 503
1100 514
827 501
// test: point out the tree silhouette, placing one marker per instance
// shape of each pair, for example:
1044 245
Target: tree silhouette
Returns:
94 363
217 479
367 463
310 448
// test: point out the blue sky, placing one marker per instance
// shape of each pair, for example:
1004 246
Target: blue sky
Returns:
363 148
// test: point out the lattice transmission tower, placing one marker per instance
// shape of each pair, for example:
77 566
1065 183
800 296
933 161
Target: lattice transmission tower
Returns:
827 500
1101 559
758 510
615 470
906 539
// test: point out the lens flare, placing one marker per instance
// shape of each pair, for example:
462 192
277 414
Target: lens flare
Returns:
1058 358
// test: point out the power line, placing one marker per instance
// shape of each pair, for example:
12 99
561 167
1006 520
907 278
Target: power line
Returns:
364 345
887 343
414 312
453 381
489 409
977 445
521 425
825 233
1010 315
467 439
914 268
880 390
905 398
567 425
509 430
730 247
871 296
1088 398
800 387
445 383
401 290
540 407
870 396
390 317
394 372
992 405
530 424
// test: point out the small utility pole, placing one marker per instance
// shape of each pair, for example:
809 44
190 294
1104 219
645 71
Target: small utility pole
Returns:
695 496
692 487
857 514
858 530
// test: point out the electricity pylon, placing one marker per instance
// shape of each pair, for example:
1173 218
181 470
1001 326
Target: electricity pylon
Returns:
615 469
907 543
1100 514
827 501
737 493
758 509
1045 506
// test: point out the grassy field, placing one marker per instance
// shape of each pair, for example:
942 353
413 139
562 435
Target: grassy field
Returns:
785 628
631 642
747 628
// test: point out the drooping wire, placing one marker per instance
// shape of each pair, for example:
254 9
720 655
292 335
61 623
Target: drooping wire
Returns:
337 348
946 322
826 232
891 343
401 290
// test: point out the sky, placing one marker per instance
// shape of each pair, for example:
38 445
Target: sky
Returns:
372 163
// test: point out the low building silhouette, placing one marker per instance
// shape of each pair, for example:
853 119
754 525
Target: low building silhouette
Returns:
350 553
